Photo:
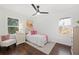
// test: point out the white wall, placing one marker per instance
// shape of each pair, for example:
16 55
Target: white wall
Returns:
4 14
48 24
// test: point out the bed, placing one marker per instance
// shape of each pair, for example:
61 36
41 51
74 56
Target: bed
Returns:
37 39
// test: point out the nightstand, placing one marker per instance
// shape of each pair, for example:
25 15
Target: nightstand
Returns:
20 38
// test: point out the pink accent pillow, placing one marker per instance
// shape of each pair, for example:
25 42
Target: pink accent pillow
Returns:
33 32
5 37
46 37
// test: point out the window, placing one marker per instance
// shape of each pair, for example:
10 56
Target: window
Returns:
65 26
13 25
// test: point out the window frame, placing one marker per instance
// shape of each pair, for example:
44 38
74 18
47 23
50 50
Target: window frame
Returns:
14 26
63 25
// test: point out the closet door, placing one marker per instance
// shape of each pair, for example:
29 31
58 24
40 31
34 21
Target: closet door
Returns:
76 40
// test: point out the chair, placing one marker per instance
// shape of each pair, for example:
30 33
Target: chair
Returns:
6 41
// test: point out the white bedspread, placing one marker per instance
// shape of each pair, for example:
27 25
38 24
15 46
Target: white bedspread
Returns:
37 39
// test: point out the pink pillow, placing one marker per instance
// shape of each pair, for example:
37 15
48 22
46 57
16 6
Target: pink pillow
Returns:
46 37
5 37
33 32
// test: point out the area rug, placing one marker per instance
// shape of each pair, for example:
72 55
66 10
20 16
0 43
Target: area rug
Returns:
45 49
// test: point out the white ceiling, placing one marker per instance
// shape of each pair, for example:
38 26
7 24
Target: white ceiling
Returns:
27 9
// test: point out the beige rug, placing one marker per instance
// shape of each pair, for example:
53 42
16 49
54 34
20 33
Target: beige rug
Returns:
45 49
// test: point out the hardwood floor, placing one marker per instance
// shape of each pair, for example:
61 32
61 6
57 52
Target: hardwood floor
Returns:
60 49
25 49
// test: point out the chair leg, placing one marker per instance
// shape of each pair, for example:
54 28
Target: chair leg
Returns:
15 44
7 48
0 48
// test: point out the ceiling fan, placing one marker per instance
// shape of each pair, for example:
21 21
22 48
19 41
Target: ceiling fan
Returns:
37 10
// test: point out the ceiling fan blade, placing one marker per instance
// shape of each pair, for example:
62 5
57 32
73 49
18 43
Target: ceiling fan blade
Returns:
44 12
34 14
34 7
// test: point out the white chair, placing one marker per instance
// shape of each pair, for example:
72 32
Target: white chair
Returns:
8 42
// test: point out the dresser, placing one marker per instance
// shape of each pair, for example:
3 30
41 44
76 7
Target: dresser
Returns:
75 47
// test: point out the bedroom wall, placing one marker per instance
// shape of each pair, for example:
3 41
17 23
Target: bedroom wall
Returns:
48 24
4 13
45 24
